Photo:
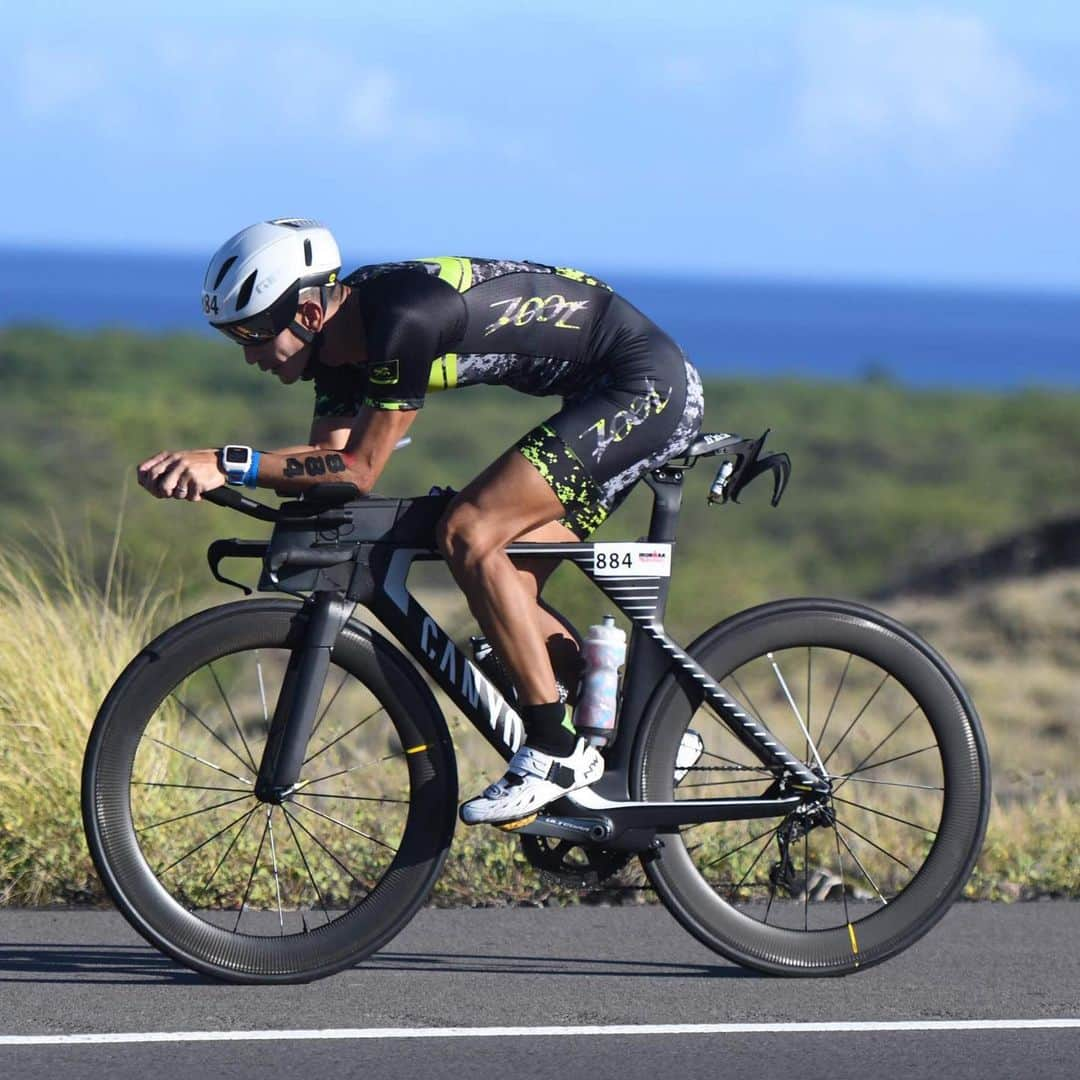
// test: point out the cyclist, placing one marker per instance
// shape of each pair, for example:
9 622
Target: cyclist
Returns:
374 344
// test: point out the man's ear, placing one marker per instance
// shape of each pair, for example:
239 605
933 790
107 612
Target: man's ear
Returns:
310 315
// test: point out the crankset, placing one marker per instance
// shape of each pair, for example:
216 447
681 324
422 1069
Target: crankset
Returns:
576 866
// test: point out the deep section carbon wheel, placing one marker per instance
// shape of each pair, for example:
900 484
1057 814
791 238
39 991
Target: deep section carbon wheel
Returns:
254 891
853 876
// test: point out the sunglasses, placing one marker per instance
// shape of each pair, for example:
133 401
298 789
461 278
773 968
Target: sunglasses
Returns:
267 324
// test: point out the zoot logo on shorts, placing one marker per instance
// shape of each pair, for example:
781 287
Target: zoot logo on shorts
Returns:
625 420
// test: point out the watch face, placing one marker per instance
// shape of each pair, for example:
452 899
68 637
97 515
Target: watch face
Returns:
236 455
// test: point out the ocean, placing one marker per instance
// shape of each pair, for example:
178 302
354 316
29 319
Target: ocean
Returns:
928 337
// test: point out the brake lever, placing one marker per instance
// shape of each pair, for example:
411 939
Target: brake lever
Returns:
238 549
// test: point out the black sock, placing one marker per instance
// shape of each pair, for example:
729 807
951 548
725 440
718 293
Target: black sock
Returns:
547 729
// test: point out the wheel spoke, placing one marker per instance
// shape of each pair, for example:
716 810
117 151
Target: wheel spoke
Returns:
344 825
192 813
843 881
795 710
221 861
307 867
891 817
750 868
899 725
862 869
232 716
251 876
334 742
192 787
352 769
874 844
354 798
889 761
324 848
886 783
806 880
836 698
858 717
200 846
747 843
201 761
262 689
273 863
772 896
213 734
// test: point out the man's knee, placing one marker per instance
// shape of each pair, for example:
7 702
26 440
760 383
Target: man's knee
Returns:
464 538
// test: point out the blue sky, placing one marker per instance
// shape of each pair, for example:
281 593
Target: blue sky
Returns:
928 142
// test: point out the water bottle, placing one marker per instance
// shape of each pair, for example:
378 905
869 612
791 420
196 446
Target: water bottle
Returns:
604 651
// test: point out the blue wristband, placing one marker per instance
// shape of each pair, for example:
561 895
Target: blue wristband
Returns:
251 477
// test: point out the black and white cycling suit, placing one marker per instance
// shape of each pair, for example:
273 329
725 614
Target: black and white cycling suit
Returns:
631 399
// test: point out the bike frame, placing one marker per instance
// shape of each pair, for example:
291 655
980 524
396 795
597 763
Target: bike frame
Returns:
377 580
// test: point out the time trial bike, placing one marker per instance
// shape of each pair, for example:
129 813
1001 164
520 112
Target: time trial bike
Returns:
270 788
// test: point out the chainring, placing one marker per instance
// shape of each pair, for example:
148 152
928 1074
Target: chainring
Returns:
573 865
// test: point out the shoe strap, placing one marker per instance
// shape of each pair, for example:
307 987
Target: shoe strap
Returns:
529 762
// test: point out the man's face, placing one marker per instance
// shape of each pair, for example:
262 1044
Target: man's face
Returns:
285 355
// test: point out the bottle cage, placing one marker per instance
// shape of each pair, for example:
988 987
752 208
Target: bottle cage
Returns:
734 476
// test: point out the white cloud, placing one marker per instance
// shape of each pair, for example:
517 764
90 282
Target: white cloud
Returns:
932 86
205 95
52 80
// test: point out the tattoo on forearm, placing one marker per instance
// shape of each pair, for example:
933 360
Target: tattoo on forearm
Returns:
315 465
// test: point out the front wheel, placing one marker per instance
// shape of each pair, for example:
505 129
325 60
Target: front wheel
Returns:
253 891
852 877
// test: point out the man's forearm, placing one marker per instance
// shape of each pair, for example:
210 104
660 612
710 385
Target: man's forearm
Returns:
296 468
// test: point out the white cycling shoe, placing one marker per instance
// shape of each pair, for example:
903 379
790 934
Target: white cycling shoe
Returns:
533 779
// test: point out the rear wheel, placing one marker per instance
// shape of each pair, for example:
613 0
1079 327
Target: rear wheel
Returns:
253 891
850 878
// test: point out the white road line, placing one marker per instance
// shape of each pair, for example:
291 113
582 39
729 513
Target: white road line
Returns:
852 1027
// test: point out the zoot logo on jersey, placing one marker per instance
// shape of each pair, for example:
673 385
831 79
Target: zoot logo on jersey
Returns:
520 311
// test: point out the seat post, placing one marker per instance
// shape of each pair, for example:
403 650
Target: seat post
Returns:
666 483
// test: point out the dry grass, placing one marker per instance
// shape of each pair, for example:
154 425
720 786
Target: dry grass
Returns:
63 641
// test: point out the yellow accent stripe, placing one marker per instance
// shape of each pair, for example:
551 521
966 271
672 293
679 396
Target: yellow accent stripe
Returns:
510 826
416 749
453 270
443 375
854 943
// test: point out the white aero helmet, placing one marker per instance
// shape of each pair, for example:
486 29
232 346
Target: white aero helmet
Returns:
252 286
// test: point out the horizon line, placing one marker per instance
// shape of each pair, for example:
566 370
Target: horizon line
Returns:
731 275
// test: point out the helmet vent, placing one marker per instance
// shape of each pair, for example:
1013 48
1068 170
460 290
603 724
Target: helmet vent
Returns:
246 290
307 252
225 267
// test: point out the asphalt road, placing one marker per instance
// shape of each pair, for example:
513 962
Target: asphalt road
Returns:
68 972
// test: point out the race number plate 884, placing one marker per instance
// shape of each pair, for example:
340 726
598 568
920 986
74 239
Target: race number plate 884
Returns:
632 560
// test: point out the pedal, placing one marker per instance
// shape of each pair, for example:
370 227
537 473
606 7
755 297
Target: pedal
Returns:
510 826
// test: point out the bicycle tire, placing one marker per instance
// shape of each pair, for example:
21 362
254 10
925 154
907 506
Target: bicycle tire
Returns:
848 931
344 920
